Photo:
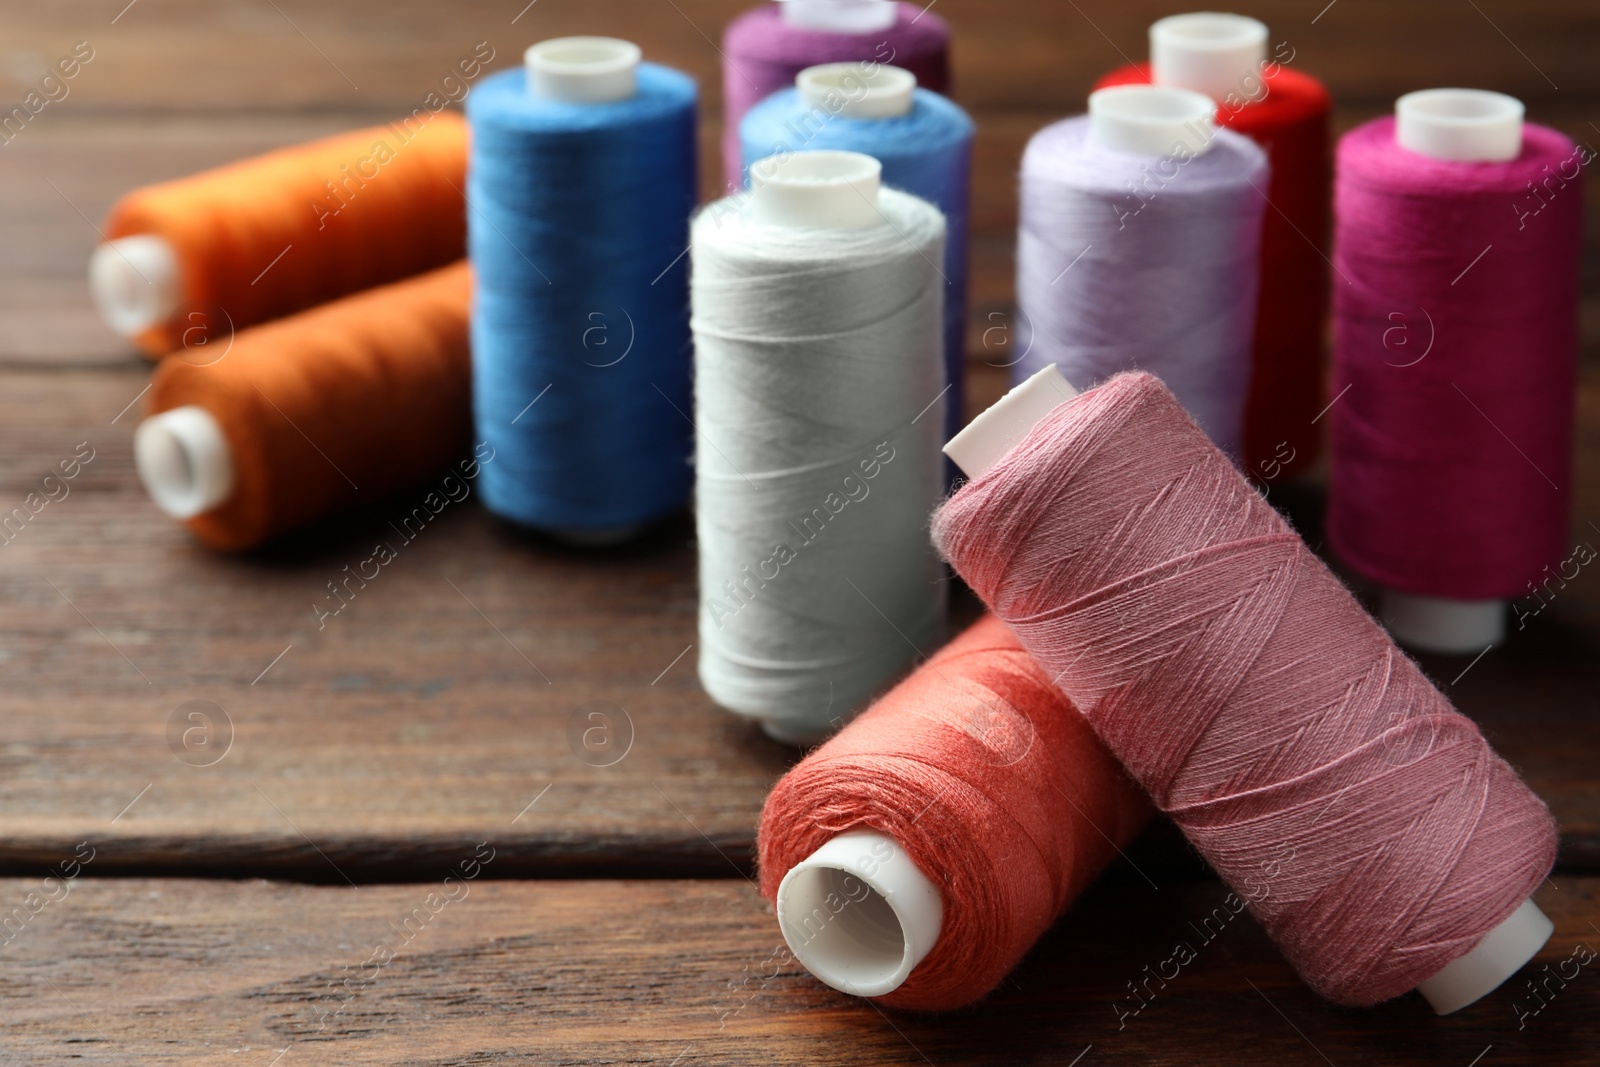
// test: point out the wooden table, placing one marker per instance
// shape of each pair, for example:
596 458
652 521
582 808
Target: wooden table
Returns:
238 888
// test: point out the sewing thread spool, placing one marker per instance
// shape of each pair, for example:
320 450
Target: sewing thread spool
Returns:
1138 248
1457 245
1286 112
582 181
818 379
1247 691
765 48
194 259
312 413
920 852
924 143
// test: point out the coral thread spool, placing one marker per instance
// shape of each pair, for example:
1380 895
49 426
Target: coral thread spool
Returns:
1455 341
1287 113
919 853
767 46
1217 707
265 237
312 413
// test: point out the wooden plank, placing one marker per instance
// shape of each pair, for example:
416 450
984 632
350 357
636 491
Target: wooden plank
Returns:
197 972
410 723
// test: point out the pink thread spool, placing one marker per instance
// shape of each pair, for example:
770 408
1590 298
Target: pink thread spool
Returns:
1455 311
1244 687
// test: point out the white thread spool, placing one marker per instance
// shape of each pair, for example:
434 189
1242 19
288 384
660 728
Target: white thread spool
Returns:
818 371
1504 949
1468 126
839 16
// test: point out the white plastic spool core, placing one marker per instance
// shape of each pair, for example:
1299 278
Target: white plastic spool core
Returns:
1497 957
1209 52
1463 125
859 914
1440 624
1504 949
983 441
839 16
583 70
134 282
184 461
1148 120
859 93
824 190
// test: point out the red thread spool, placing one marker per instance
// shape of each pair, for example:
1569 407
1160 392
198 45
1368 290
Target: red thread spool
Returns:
1286 112
989 781
1245 688
265 237
312 413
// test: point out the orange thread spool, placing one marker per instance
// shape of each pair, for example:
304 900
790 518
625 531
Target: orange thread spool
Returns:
344 213
334 406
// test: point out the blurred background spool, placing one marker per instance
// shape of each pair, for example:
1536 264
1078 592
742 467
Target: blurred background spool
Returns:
582 181
1286 112
1138 247
203 256
766 47
312 413
818 392
1459 230
1367 824
924 143
953 821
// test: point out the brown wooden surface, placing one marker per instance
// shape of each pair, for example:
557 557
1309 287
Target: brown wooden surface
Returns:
143 972
425 718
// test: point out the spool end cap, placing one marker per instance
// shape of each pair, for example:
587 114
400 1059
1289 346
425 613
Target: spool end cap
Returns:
1497 957
1208 52
134 282
1440 624
184 461
1463 125
883 93
820 190
997 430
583 70
1149 120
859 914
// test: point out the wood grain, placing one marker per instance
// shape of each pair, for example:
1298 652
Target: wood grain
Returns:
272 975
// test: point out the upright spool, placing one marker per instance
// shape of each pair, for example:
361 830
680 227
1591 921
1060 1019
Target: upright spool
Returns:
312 413
1138 248
582 181
919 853
1263 709
1460 231
194 259
818 375
766 47
924 143
1287 113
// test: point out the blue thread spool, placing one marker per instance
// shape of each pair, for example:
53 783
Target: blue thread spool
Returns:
580 185
924 143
